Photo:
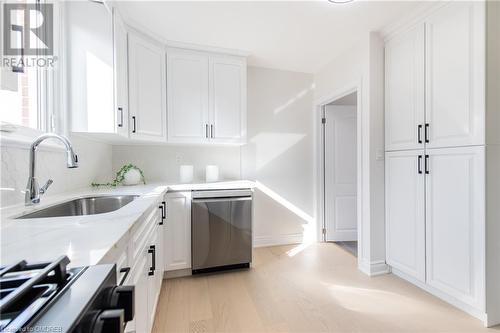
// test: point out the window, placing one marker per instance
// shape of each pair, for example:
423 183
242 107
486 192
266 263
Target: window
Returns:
24 88
20 101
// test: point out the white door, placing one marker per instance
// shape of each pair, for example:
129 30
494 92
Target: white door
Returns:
455 222
147 89
121 75
178 231
455 62
405 212
228 99
340 173
187 96
404 91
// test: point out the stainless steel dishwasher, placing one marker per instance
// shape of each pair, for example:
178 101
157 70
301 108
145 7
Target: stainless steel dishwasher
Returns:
221 230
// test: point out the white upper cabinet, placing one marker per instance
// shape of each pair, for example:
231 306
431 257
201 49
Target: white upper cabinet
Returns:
455 223
228 99
90 67
187 96
405 214
455 75
206 95
121 74
404 91
147 88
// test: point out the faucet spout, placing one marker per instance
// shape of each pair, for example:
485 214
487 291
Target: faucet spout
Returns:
33 191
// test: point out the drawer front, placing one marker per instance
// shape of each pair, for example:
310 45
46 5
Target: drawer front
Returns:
140 236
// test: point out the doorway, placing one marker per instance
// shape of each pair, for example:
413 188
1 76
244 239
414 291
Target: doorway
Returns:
340 172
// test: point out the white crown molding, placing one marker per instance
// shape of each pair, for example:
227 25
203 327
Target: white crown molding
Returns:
139 28
410 20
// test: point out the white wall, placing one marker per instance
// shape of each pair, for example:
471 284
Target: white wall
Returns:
279 154
94 160
362 67
161 163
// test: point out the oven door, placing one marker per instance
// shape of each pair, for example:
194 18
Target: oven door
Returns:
221 232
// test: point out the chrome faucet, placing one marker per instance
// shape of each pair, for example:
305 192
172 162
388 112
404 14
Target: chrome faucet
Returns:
33 191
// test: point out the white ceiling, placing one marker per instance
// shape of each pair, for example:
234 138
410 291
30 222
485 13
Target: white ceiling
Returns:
300 36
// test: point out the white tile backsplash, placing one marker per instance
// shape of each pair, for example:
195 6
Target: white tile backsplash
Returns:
94 165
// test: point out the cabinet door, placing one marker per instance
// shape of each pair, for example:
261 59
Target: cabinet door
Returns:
455 222
139 278
154 280
178 231
187 95
404 91
228 99
147 89
405 212
455 61
121 75
90 76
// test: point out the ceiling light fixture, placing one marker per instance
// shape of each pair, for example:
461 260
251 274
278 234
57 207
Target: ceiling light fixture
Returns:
340 1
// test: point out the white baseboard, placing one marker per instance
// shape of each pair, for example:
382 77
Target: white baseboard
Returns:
445 297
374 268
261 241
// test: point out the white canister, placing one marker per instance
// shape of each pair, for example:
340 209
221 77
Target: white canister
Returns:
186 173
212 173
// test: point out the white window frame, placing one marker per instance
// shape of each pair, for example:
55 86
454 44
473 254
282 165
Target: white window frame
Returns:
51 97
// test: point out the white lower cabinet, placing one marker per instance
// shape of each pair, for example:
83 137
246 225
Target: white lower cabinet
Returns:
405 212
178 231
146 253
435 221
455 223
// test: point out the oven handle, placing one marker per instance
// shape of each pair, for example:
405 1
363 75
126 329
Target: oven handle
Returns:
222 199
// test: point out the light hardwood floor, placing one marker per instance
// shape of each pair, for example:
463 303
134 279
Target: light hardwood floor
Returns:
318 289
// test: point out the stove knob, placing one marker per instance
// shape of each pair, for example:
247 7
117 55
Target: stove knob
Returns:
109 321
123 298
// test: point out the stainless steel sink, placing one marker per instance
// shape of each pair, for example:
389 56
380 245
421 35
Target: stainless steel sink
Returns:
83 206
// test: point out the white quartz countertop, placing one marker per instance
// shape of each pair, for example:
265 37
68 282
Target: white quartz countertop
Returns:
84 239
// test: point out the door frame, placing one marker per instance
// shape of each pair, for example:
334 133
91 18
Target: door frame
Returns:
320 158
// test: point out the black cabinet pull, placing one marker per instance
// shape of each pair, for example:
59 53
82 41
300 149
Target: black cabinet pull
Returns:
164 204
152 251
212 131
162 217
206 131
125 270
419 133
427 133
426 164
133 123
419 163
120 124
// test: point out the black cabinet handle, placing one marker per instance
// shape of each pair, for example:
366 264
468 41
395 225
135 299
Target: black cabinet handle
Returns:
419 163
206 131
419 133
120 124
163 211
152 251
426 164
162 218
133 123
427 133
125 270
212 132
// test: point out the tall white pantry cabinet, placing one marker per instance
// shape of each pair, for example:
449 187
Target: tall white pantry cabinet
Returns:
442 155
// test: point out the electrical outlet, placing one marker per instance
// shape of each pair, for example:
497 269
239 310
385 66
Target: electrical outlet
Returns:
178 158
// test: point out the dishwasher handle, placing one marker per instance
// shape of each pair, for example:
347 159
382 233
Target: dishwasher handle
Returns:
249 198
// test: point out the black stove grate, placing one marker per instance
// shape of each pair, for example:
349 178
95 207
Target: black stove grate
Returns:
26 289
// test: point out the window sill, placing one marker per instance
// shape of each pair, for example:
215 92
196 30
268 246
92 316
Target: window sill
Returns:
19 137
